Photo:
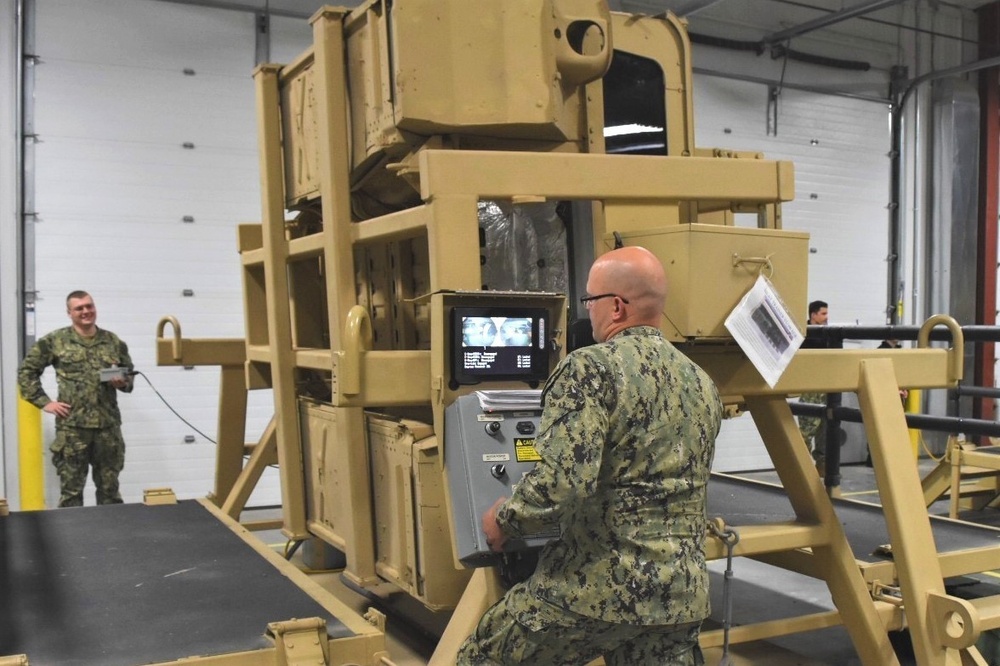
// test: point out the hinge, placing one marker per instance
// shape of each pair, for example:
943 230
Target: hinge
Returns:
155 496
300 642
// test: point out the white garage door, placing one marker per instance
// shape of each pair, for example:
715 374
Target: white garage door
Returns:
840 149
147 161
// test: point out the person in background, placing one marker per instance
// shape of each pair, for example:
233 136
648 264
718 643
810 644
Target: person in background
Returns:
88 421
813 429
626 441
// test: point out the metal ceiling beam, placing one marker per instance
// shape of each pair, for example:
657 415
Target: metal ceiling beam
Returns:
689 7
253 6
829 19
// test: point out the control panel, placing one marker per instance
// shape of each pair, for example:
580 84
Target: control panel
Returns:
489 445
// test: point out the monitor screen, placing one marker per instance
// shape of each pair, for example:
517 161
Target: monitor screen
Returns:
499 344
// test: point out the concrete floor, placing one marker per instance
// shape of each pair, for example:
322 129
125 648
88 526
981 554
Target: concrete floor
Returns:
759 592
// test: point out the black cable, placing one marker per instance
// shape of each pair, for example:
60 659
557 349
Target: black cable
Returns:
292 546
138 372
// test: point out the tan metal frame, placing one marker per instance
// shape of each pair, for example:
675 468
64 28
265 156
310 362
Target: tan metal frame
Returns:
631 195
234 481
969 477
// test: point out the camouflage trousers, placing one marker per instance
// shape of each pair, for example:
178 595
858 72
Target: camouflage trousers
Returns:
77 449
814 430
522 629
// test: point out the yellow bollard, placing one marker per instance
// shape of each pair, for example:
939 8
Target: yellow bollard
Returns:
912 406
29 454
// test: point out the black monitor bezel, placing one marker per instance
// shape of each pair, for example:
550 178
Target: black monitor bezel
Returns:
539 352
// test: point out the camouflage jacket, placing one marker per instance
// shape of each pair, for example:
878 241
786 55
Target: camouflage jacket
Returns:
626 440
78 362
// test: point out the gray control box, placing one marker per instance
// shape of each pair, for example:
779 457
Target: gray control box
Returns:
107 374
489 445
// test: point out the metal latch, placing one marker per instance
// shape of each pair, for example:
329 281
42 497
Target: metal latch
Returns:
300 642
155 496
888 593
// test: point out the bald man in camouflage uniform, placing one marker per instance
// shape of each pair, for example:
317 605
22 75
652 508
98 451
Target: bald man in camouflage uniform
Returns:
626 440
88 422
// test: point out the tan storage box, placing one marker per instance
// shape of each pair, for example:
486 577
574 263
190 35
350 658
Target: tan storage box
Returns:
710 268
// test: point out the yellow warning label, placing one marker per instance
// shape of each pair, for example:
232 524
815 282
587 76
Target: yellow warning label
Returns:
524 450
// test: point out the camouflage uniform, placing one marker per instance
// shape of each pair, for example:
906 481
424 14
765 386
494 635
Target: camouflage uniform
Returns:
814 430
91 434
626 441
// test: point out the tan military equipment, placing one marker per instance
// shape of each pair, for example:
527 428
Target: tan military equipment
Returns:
385 148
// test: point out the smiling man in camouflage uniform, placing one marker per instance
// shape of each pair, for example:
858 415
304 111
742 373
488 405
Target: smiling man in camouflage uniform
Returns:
626 440
88 422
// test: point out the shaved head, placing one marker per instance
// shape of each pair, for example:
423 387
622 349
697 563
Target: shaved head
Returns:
636 279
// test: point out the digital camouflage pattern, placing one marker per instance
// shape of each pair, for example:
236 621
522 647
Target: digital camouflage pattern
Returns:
91 435
77 361
626 440
102 449
539 633
814 430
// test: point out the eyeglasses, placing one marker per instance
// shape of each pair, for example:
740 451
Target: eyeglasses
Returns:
587 300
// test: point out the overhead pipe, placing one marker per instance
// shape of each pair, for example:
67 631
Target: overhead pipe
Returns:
828 20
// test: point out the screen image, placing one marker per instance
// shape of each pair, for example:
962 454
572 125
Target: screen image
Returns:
496 332
499 344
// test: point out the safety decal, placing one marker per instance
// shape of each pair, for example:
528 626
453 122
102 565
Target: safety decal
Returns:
524 450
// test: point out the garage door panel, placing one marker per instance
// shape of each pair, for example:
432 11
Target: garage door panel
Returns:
117 180
146 34
147 106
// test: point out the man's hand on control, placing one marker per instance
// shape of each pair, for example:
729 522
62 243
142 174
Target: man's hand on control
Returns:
495 538
60 409
119 382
